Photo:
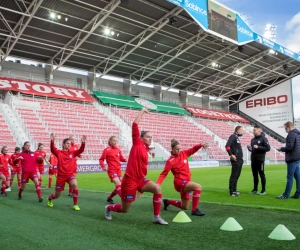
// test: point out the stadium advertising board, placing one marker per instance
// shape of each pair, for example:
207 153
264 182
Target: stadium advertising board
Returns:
90 168
272 107
244 32
276 47
44 89
214 114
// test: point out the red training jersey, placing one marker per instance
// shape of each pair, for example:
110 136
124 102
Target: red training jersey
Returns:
113 157
74 147
28 163
138 157
65 165
179 165
4 162
12 159
53 160
40 153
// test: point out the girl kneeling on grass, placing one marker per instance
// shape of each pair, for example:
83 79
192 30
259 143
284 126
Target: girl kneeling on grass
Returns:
179 165
65 169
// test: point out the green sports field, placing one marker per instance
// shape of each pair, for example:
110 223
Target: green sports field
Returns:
27 224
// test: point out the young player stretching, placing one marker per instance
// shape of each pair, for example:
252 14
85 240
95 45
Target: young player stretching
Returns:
65 169
113 156
28 160
135 175
179 165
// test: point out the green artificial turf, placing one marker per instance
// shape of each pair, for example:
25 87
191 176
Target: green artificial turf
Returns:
28 224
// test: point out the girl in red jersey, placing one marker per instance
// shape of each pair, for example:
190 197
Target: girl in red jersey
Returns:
113 156
28 160
52 168
65 169
4 172
134 178
16 169
40 166
179 165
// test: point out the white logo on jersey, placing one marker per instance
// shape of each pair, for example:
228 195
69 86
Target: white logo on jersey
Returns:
184 161
70 156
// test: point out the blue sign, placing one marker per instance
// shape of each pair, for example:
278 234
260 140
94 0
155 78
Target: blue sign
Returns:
196 8
244 32
276 47
198 11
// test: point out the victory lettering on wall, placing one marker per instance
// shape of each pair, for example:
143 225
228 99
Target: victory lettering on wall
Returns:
44 89
214 114
272 108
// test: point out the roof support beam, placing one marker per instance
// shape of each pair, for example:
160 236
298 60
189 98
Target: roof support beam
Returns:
139 39
95 23
180 51
35 6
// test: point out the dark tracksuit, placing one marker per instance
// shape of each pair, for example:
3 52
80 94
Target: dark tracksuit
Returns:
233 147
258 156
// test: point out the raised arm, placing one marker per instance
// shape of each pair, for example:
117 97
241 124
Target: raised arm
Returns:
194 149
102 159
140 115
82 146
52 145
164 173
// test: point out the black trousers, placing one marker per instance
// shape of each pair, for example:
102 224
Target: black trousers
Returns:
258 168
235 174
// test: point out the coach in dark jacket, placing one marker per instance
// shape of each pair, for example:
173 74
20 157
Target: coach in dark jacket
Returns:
292 158
235 151
259 146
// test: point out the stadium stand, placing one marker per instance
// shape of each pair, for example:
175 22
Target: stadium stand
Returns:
65 119
6 137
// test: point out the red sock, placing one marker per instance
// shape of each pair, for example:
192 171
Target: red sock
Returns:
51 197
115 208
38 190
113 193
70 190
19 184
75 196
196 199
3 189
20 191
49 181
175 203
157 199
118 190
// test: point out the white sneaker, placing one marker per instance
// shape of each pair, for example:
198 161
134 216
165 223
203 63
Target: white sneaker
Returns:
107 213
8 189
159 220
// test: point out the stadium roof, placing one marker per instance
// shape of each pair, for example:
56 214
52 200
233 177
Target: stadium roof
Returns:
140 44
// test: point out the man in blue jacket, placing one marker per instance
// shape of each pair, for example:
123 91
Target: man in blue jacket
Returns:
292 158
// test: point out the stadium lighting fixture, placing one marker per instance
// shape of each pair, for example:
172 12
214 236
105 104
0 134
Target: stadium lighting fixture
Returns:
173 20
239 72
118 34
52 15
112 33
106 31
58 16
285 66
219 99
215 65
241 48
66 19
270 32
272 52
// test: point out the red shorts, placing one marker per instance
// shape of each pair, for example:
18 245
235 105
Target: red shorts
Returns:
16 170
130 186
114 174
179 186
62 180
26 176
6 174
53 170
40 170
